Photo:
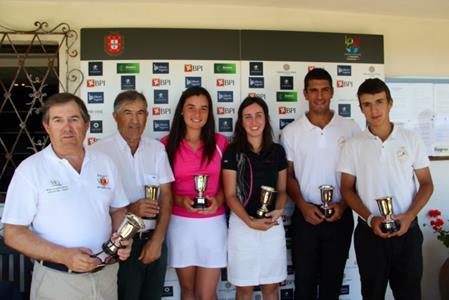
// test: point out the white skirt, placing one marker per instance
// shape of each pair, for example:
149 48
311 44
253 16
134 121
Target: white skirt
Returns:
197 242
256 257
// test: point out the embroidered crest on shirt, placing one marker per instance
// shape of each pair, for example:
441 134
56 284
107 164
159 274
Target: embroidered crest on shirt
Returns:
341 140
103 181
402 155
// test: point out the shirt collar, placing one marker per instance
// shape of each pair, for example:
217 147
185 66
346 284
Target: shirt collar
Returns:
51 154
308 125
367 133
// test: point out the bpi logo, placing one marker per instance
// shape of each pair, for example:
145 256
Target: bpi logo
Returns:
188 68
94 83
283 110
225 110
157 111
160 82
344 83
91 140
310 68
225 82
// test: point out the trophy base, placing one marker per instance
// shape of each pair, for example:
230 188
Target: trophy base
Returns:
110 248
390 227
261 214
327 212
199 202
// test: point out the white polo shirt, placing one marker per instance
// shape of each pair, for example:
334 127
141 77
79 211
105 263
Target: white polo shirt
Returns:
315 152
63 206
385 168
149 165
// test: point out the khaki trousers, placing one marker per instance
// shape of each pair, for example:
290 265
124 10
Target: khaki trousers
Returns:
56 285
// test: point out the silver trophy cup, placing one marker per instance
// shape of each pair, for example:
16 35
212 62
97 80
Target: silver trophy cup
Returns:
131 224
386 209
151 192
327 192
200 186
266 197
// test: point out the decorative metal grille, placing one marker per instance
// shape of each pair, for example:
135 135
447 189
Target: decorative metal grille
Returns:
34 64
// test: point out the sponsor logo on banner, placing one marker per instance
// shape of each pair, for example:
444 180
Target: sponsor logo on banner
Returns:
225 110
160 82
95 97
286 82
225 82
344 70
95 68
157 111
94 83
128 82
344 83
128 68
252 94
114 44
372 72
96 126
160 96
95 112
344 110
256 68
193 81
283 110
225 124
91 140
256 82
286 96
161 125
167 291
345 289
225 68
310 68
161 68
284 122
189 68
352 48
225 96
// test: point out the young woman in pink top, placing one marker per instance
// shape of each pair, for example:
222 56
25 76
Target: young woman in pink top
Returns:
196 237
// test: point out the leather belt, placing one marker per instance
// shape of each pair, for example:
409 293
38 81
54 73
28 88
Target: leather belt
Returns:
63 268
144 235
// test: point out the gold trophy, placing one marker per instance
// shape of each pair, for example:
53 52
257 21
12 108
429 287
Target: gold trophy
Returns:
266 196
326 191
200 186
131 224
151 192
386 209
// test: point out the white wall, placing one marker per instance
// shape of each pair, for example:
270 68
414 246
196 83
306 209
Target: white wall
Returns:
413 47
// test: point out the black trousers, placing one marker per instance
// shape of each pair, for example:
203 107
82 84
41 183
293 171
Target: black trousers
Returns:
138 281
397 260
319 254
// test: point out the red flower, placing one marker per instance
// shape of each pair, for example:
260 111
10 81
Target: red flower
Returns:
433 213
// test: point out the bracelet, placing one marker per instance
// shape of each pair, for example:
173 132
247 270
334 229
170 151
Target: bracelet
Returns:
368 220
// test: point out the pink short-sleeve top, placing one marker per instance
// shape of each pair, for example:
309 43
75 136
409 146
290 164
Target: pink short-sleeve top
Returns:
187 164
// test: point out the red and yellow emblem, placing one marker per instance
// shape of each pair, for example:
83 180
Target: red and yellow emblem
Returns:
114 43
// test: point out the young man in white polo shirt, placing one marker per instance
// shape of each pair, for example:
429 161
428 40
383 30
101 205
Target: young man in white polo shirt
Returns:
386 160
320 245
141 161
73 199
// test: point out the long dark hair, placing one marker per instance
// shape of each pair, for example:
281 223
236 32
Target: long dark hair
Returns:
239 139
178 128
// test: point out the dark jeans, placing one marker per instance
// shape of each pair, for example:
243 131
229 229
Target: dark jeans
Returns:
398 260
137 281
319 254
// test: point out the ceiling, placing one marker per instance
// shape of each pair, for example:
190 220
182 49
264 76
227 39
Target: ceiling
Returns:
432 9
